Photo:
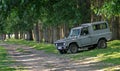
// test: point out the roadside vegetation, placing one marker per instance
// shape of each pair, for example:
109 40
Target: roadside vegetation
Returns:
50 48
110 55
4 61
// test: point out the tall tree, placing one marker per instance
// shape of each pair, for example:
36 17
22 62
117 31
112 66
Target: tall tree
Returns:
111 11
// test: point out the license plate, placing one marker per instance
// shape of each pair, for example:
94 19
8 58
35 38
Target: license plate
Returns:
59 47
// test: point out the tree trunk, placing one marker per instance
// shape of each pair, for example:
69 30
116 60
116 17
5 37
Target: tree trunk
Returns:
24 35
2 37
45 35
16 35
54 34
61 28
29 35
9 36
21 35
66 30
41 39
50 34
36 32
58 32
115 28
119 26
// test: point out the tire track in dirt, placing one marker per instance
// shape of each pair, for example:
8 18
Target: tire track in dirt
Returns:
36 60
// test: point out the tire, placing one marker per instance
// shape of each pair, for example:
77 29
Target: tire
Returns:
73 48
62 51
102 44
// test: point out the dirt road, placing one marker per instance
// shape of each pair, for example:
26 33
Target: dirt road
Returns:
28 59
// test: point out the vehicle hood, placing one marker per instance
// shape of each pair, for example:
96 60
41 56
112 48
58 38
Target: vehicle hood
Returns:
64 40
61 40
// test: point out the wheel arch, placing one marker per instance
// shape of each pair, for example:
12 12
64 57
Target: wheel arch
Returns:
74 43
103 38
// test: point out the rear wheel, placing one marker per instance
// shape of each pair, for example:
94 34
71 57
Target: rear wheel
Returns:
73 48
102 43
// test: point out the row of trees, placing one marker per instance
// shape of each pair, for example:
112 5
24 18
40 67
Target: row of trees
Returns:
49 20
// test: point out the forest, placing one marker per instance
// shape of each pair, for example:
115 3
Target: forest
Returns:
50 20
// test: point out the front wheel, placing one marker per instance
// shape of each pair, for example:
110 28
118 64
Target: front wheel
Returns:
62 51
102 43
73 48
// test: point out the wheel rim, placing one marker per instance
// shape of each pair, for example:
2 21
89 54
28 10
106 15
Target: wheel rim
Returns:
73 48
102 44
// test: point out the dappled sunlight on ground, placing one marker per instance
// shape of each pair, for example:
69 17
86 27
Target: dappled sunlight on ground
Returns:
112 68
103 56
28 59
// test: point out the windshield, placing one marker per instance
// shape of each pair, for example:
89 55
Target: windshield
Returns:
74 32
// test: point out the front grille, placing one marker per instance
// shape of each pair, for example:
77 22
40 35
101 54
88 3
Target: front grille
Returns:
59 44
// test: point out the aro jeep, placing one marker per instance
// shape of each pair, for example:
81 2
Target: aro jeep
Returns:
88 35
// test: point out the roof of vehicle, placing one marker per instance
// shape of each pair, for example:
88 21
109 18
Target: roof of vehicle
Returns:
99 22
89 24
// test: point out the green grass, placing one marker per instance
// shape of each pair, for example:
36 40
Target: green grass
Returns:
50 48
4 61
109 55
20 50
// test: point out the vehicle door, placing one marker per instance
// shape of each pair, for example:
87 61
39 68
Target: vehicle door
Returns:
85 38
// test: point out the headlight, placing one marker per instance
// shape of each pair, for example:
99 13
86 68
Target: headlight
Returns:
64 44
55 44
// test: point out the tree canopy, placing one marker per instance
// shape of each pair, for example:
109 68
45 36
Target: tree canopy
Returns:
21 15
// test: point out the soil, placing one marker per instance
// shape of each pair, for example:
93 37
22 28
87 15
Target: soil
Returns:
28 59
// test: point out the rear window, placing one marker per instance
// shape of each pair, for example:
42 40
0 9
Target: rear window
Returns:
99 26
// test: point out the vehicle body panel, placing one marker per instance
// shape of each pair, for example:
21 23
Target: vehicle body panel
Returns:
94 34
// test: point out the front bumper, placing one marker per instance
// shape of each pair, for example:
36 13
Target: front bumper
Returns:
61 47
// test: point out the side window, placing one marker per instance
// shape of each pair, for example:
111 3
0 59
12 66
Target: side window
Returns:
99 26
96 26
84 31
104 26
